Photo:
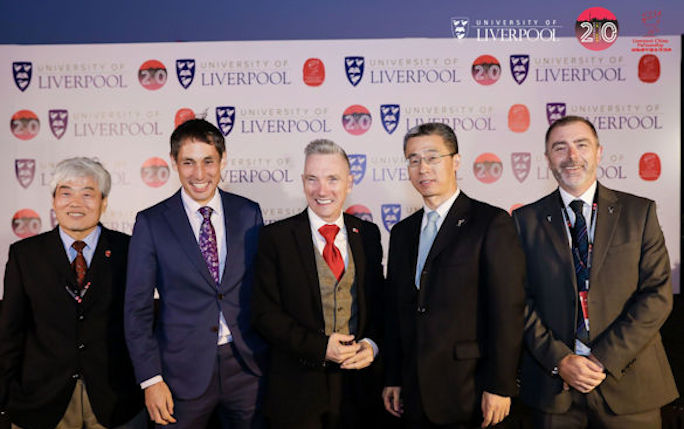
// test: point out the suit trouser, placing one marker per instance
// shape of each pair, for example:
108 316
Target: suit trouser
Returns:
342 412
591 411
234 392
79 414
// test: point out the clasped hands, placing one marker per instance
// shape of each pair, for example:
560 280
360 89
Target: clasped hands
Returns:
582 373
348 353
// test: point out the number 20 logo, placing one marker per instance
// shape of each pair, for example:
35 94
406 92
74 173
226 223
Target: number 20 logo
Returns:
596 28
152 75
486 70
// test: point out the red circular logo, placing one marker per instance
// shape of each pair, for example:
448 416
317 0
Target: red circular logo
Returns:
649 68
360 211
182 115
596 28
313 72
356 120
25 223
518 118
152 75
486 70
154 172
487 168
25 125
649 166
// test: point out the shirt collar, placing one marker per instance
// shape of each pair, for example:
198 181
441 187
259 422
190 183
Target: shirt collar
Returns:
90 240
317 222
587 197
193 206
443 208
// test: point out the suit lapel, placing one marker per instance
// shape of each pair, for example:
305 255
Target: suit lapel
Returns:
552 222
356 245
233 232
58 259
302 236
456 217
99 271
606 221
181 229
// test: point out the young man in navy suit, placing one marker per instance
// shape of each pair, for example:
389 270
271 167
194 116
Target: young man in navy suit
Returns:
196 249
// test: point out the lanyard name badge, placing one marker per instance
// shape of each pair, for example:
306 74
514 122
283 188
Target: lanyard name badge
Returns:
583 290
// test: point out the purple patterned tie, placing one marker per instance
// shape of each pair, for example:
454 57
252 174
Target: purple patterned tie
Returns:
207 243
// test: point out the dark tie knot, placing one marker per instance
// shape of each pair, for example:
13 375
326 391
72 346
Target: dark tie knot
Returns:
577 206
206 212
329 232
78 245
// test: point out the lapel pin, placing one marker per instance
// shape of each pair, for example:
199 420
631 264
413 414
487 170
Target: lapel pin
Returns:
356 230
108 253
610 209
460 222
548 218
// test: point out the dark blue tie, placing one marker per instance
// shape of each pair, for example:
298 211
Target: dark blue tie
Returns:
580 252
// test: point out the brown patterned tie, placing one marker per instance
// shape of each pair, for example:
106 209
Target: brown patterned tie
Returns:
79 264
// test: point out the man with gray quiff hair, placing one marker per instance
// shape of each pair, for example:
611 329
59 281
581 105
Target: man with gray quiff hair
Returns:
317 287
325 147
81 166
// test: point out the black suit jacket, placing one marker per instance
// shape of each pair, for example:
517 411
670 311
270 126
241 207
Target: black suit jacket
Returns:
630 296
48 341
461 333
287 310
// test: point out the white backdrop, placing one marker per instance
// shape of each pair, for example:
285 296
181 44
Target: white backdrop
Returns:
119 103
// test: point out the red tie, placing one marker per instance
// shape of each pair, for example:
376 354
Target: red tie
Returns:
331 253
79 264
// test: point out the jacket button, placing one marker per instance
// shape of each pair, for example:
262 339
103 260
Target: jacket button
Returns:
81 346
421 310
214 329
81 317
76 376
220 296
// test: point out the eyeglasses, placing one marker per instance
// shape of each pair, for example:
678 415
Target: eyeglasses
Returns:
414 161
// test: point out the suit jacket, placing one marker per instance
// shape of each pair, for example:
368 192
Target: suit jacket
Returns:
48 341
461 333
630 296
164 254
287 310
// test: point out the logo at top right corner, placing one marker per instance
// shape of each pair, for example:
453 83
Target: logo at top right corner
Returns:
596 28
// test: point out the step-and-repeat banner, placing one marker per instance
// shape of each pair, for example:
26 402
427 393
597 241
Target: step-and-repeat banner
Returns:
120 103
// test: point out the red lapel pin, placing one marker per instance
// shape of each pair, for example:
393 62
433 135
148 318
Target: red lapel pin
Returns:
356 230
108 253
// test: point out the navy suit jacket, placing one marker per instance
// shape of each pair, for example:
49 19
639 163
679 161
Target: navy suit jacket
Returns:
181 343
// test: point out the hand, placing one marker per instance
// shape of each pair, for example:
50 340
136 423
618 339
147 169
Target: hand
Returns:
495 408
581 373
391 397
337 351
361 359
159 403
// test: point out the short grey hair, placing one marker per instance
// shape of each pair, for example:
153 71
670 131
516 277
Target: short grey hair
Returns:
78 167
325 147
